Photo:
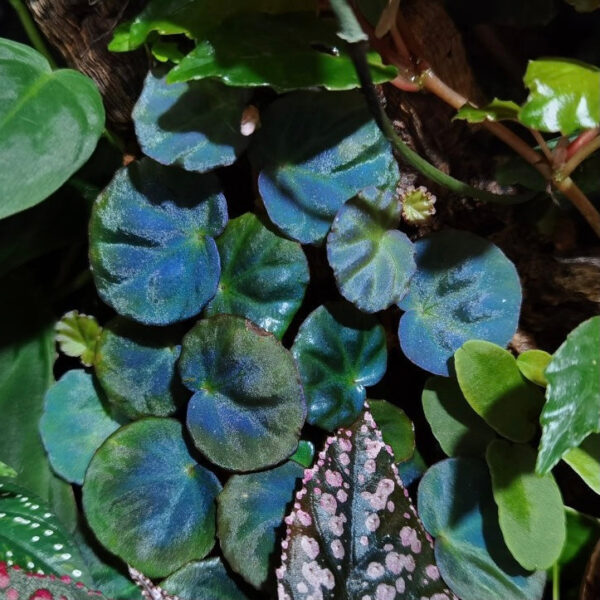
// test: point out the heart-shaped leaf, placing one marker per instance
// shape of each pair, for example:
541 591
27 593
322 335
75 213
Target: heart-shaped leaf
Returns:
251 510
75 423
193 125
148 226
572 409
339 351
32 536
331 149
530 507
464 288
248 406
77 336
396 428
50 123
457 507
136 368
371 260
585 461
148 501
263 276
353 531
494 387
532 364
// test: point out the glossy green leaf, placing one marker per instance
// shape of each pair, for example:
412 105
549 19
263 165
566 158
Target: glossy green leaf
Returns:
396 428
330 150
148 226
532 364
203 580
372 261
585 461
339 352
248 406
494 387
564 96
353 531
572 409
148 501
50 122
75 422
464 288
305 454
496 110
530 506
459 430
251 510
136 367
457 507
77 336
192 125
259 49
193 18
263 276
6 471
32 537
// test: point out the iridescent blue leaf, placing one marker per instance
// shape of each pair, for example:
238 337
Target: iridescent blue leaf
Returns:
148 501
315 151
371 260
339 352
75 422
464 288
152 250
263 276
251 510
248 407
193 125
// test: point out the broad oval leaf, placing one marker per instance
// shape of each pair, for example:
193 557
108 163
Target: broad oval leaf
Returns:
331 150
263 276
494 387
572 409
530 508
32 537
50 122
192 125
372 261
457 507
77 336
203 580
459 430
339 352
396 428
585 461
353 532
135 366
248 406
532 364
152 250
464 288
148 501
75 422
256 49
564 96
250 513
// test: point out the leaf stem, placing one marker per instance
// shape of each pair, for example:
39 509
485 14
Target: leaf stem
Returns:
580 156
555 582
32 32
581 202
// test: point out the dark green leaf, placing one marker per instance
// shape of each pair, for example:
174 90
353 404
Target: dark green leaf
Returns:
585 461
77 336
532 364
496 110
585 5
396 428
305 454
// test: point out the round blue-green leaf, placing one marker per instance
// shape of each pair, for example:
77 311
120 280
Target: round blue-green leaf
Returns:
464 288
263 276
339 352
148 501
136 368
251 510
75 422
152 250
248 407
372 261
457 508
314 151
203 580
193 125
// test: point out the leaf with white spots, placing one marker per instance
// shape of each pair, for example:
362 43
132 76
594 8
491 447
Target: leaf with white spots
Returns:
32 537
353 533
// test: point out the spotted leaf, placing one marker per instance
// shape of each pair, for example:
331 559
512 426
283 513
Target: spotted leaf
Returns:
353 532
